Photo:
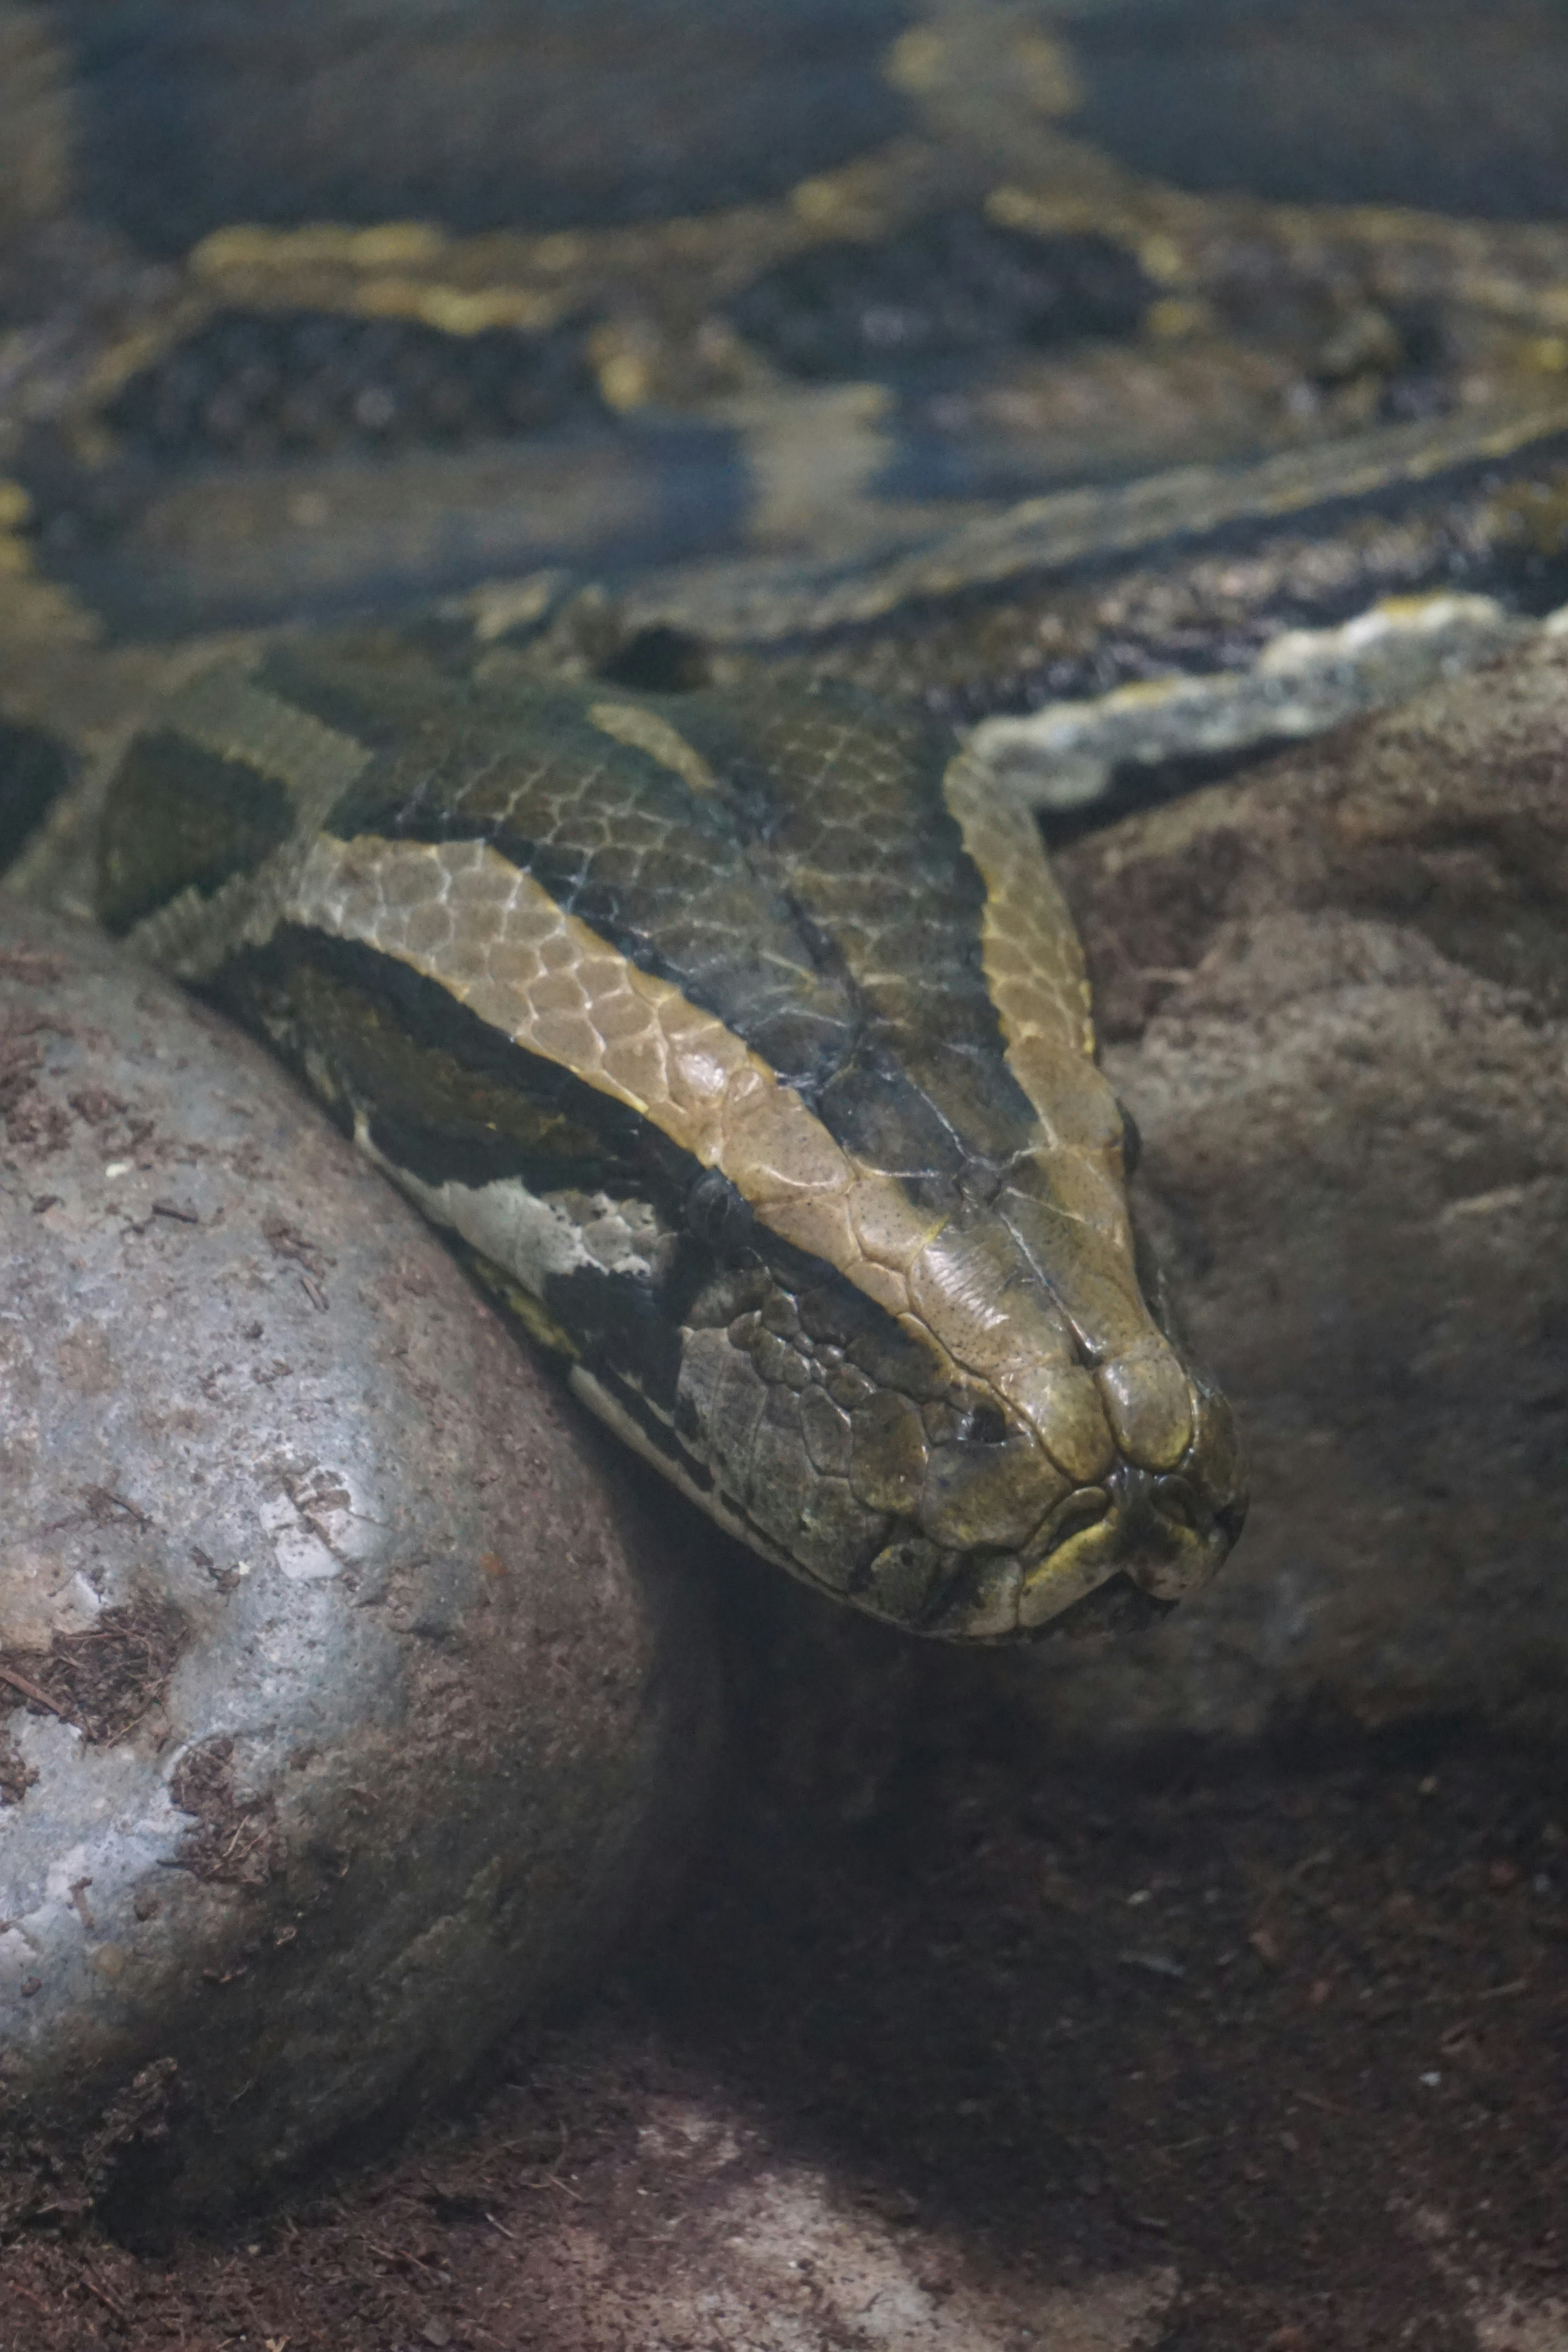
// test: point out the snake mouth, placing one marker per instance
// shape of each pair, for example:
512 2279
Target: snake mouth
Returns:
1154 1536
1110 1558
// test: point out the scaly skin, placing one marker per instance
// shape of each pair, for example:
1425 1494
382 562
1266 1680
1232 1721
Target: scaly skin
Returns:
801 1154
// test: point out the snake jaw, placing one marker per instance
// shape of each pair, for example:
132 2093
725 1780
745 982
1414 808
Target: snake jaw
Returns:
1112 1554
1158 1531
1165 1532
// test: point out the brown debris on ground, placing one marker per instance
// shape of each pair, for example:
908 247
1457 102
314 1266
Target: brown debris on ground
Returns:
1273 2052
236 1840
16 1775
106 1678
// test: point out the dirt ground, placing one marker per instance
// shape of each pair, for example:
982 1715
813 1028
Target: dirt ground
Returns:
1212 2052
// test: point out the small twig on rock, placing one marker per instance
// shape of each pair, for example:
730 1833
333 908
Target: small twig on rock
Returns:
30 1690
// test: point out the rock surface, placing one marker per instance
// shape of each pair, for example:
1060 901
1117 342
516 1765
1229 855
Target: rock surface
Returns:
1336 1000
348 1708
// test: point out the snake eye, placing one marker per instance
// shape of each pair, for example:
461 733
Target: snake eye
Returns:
717 1213
983 1426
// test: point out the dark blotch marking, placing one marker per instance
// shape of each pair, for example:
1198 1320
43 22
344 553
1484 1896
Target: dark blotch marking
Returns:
34 770
181 818
497 114
719 1216
660 660
266 384
455 1101
1432 104
626 1336
946 288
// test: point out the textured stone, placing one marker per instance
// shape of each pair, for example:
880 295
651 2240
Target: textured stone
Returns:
349 1707
1336 1001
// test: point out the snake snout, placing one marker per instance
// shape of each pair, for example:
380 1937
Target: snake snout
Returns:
1171 1536
1154 1535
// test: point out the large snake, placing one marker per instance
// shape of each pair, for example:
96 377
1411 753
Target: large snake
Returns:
666 945
745 1036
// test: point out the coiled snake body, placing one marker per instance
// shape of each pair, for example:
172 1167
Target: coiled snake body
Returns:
618 876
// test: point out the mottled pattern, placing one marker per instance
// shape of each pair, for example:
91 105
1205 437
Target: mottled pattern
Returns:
255 387
795 304
771 876
462 913
735 1032
776 985
1426 469
955 284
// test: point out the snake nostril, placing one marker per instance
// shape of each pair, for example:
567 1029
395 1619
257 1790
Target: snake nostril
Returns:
1083 1510
985 1426
1174 1499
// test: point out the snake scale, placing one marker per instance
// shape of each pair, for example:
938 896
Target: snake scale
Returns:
569 636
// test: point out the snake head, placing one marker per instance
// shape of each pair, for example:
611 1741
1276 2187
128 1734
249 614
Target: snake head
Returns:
1033 1491
745 1036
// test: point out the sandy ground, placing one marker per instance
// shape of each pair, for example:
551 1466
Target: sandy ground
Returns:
1212 2052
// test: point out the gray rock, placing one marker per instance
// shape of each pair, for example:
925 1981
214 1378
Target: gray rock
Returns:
1336 1000
349 1708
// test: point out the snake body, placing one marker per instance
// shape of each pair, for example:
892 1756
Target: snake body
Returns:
583 813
